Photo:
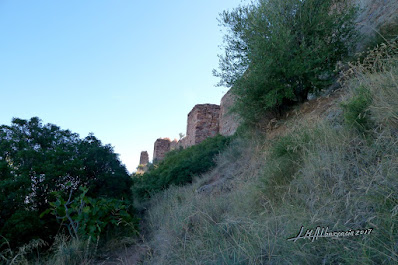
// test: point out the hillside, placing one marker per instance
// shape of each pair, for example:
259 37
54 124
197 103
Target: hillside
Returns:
297 165
315 168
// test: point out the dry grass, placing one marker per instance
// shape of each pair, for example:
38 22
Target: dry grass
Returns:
64 251
321 172
263 191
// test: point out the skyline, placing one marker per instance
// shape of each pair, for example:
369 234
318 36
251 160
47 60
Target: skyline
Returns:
127 72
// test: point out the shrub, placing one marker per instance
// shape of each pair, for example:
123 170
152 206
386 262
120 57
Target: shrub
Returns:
327 176
180 166
90 217
356 110
374 89
278 51
37 159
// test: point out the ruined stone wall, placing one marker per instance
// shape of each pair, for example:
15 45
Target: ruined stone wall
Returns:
229 122
174 145
207 120
144 158
161 147
203 122
182 143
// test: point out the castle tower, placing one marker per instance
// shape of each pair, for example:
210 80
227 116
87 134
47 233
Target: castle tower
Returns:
161 147
203 122
144 158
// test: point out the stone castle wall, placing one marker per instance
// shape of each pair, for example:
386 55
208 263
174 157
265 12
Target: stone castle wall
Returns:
174 145
181 143
207 120
144 158
229 122
161 147
203 122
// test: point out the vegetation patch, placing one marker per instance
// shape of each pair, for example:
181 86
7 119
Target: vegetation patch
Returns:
276 52
46 169
316 176
179 167
356 110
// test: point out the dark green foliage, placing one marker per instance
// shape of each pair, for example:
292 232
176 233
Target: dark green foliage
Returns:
22 225
278 51
37 160
356 110
85 216
106 176
179 167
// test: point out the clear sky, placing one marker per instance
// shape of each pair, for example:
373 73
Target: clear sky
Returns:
128 71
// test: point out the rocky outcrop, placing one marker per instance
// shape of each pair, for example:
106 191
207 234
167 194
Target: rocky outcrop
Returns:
203 122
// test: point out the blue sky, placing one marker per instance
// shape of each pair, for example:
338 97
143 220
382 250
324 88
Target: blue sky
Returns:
128 71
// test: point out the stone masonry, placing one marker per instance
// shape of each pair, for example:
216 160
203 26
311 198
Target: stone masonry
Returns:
182 143
229 122
144 158
162 146
203 122
174 145
207 120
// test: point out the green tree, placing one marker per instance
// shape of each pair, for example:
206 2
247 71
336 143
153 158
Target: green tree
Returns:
103 173
85 216
37 160
276 52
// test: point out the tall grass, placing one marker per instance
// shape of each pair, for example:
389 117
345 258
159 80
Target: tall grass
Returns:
318 175
21 255
190 227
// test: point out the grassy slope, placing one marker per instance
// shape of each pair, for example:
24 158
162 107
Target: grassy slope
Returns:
336 171
332 162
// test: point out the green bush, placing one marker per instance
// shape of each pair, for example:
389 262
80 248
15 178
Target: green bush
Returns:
90 217
356 110
38 159
318 174
180 166
24 223
276 52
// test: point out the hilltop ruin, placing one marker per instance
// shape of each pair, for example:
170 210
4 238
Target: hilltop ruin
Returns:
203 121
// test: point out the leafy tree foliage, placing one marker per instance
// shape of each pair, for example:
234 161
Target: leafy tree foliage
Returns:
179 167
37 160
85 216
276 52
